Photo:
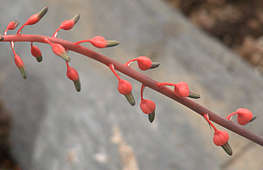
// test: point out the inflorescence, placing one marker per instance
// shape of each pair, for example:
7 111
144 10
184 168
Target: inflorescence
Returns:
181 89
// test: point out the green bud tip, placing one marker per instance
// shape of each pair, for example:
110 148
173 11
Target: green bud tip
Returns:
130 99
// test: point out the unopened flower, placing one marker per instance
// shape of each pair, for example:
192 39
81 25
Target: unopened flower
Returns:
220 137
69 24
125 88
35 51
59 50
144 63
147 106
101 42
12 25
244 116
73 75
36 17
20 65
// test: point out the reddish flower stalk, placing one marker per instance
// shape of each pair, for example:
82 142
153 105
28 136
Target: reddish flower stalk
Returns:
147 81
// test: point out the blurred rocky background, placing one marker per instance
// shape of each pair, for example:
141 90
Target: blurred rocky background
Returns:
47 125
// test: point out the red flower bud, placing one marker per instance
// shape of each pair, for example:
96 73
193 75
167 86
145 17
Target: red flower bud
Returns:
244 116
147 106
69 24
73 75
35 51
12 25
182 89
36 17
20 65
100 42
144 63
125 88
59 50
220 137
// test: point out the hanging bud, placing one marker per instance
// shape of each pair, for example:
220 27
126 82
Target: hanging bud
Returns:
73 75
147 106
182 89
125 88
12 25
221 139
145 63
35 51
59 50
100 42
20 65
244 116
36 17
69 24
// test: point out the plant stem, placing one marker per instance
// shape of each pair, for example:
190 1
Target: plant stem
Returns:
147 81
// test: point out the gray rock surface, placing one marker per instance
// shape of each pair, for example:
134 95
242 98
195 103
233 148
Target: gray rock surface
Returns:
55 127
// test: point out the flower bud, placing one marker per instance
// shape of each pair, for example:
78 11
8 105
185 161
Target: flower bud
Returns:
12 25
244 116
144 63
182 89
35 51
100 42
125 88
59 50
69 24
221 139
147 106
20 65
73 75
36 17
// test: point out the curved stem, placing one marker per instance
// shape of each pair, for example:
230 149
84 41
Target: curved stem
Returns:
111 66
230 115
210 123
131 61
20 29
142 88
56 32
82 41
147 81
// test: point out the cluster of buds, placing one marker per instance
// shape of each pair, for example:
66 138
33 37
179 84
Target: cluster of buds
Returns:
244 116
35 51
125 87
220 137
